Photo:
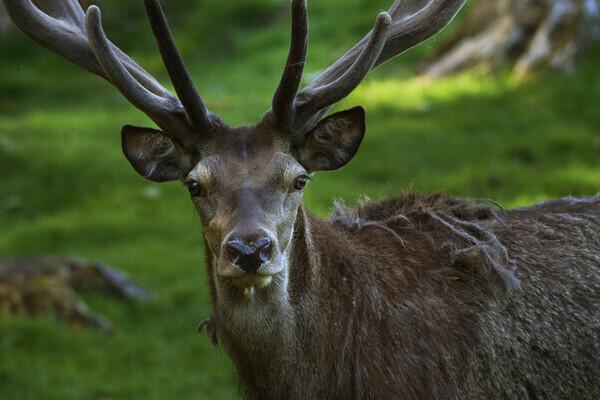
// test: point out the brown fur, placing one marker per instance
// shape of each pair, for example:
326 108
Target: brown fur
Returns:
432 297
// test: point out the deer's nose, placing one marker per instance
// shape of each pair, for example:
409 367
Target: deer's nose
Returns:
249 253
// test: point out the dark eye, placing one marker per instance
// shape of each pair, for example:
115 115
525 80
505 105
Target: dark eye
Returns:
300 182
196 189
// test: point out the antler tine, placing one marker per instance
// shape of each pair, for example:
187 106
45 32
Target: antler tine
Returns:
201 118
160 109
312 100
60 27
53 29
285 93
412 22
63 27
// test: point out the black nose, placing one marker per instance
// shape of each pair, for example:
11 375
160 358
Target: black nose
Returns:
249 254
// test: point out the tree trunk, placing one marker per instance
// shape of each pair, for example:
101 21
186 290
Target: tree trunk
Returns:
532 34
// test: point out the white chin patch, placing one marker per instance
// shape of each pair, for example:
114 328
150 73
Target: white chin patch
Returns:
250 281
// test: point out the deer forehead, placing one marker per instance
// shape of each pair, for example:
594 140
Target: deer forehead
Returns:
265 169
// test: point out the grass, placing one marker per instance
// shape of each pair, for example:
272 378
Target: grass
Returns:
65 188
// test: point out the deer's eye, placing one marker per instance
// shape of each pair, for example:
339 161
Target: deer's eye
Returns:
300 182
196 189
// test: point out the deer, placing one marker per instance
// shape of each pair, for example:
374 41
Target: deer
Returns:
411 297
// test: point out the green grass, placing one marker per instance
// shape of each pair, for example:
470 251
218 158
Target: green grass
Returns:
60 161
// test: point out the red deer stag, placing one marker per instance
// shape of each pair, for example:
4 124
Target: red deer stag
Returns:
415 297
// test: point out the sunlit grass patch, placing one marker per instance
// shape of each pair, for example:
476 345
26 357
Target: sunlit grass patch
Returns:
410 94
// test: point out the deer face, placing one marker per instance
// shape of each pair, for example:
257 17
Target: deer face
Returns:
246 198
247 184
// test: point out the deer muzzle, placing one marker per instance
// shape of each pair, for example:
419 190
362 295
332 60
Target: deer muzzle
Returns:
249 259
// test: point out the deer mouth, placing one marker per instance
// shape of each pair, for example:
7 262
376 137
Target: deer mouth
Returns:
252 280
258 278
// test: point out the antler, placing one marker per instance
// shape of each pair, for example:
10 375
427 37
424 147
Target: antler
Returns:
292 74
64 28
406 24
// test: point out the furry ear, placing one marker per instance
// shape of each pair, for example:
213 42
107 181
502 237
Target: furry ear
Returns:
154 155
334 141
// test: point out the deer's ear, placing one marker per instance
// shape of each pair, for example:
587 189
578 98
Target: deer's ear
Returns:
154 155
334 141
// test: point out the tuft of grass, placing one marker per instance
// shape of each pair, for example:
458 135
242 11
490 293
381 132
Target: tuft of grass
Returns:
65 188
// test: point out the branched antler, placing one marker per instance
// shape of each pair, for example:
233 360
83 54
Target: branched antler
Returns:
407 23
63 27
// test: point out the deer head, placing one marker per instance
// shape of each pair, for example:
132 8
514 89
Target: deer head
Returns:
246 182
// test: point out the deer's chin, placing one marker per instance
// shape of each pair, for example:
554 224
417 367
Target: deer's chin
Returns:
252 280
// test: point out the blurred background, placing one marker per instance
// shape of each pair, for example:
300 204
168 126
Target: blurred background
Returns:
504 105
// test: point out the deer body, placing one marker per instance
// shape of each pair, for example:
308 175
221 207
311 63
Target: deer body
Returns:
439 315
418 297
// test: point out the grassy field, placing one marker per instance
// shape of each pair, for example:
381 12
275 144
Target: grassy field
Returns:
65 187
